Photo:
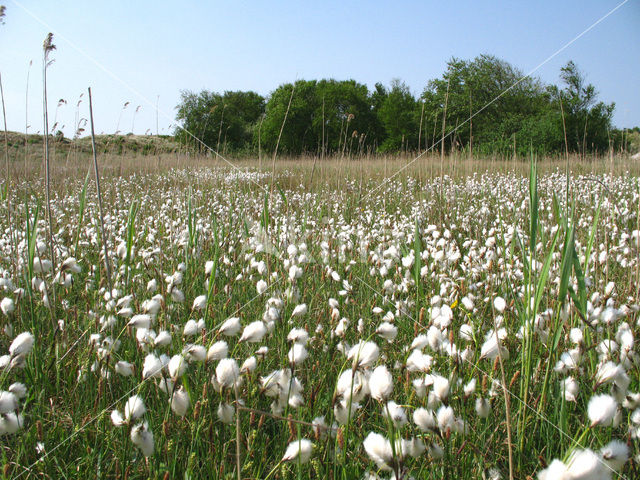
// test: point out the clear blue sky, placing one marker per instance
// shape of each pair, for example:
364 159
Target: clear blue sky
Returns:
159 48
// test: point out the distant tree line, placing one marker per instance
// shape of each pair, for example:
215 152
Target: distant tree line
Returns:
483 106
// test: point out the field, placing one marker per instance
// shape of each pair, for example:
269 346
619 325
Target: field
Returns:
461 319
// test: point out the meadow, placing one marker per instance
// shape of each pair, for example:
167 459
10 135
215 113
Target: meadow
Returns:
344 318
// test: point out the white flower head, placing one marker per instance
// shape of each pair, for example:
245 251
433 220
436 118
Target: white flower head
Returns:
22 344
254 332
227 373
134 408
230 327
601 410
199 303
298 450
380 383
363 354
180 402
142 438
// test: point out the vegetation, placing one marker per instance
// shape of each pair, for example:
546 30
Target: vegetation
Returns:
484 105
302 335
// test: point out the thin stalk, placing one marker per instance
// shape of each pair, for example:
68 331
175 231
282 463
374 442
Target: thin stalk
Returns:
275 152
95 169
420 128
238 461
6 161
444 124
48 47
507 403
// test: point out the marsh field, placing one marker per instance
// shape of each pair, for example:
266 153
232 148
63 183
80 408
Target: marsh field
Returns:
334 318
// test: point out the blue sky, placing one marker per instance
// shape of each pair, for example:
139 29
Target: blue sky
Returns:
134 51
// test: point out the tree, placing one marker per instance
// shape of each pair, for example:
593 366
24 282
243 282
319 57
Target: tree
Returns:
222 122
326 115
496 93
397 114
587 123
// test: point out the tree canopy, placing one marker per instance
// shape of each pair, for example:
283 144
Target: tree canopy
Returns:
485 105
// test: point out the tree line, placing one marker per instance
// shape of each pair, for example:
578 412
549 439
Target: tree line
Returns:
482 106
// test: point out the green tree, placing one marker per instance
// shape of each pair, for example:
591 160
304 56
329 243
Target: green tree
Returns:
397 114
223 122
326 115
497 94
587 122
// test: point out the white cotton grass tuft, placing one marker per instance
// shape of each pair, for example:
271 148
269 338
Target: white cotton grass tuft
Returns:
380 383
217 351
419 362
225 413
261 287
298 451
254 332
499 304
363 354
297 354
190 329
18 389
199 303
249 365
395 413
7 306
557 470
570 389
299 310
424 419
298 335
483 407
379 450
388 331
124 368
142 438
586 464
602 410
22 344
134 409
180 402
230 327
10 423
177 366
8 402
615 454
227 373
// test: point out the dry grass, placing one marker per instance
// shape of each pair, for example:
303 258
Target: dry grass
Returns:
332 172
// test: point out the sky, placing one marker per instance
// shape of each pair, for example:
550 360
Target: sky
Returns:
146 53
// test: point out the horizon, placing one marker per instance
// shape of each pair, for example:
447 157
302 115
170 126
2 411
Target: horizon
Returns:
258 48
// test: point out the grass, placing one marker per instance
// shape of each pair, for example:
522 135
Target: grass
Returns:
499 234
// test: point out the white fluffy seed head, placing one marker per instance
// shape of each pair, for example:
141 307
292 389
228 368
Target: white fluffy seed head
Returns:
142 438
297 354
134 408
363 354
22 344
379 450
227 372
424 419
254 332
230 327
177 366
217 351
7 306
298 450
601 410
380 383
199 303
180 402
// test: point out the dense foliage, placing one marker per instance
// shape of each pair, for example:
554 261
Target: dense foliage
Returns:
484 105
